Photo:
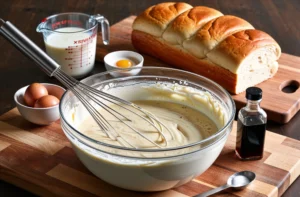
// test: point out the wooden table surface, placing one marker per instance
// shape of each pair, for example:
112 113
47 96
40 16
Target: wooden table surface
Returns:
278 18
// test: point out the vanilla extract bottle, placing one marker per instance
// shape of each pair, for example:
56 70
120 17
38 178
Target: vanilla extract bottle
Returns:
251 127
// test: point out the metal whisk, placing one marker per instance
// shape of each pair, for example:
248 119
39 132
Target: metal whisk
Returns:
85 93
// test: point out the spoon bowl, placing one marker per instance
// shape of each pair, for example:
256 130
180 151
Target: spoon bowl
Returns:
237 181
240 180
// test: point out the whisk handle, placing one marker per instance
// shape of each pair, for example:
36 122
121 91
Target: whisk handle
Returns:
25 45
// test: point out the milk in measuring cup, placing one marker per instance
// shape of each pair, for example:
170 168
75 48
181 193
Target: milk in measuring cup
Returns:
75 52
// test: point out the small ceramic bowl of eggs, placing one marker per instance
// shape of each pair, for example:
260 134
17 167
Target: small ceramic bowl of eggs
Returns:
128 62
38 102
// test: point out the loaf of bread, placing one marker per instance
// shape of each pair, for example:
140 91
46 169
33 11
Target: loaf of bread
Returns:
226 49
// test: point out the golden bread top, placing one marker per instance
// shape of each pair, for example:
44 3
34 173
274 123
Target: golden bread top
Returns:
187 23
222 27
155 19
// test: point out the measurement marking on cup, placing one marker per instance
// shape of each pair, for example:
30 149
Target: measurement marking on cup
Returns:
71 49
76 59
77 56
81 55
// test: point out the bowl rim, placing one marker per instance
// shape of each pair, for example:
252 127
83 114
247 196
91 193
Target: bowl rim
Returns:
136 54
36 108
219 132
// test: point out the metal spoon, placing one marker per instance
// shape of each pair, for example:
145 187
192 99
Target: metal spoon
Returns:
237 181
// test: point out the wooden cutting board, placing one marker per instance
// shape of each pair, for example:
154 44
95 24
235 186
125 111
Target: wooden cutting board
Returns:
41 160
280 106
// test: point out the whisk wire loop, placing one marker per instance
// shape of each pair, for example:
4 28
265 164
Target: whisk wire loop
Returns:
86 94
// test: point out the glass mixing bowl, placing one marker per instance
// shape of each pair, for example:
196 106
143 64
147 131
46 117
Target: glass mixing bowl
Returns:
146 169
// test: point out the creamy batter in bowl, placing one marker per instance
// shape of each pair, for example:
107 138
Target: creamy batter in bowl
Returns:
147 168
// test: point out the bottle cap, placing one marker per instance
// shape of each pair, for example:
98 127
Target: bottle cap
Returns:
253 93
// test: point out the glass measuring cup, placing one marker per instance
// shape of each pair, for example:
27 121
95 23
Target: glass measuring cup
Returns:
71 40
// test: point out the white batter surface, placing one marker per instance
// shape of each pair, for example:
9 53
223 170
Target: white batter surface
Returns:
183 125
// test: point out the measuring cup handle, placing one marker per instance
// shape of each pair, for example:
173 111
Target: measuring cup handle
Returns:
104 27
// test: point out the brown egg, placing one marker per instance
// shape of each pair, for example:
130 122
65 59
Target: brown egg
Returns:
33 93
46 101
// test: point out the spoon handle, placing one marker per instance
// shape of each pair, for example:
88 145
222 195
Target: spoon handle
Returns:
213 191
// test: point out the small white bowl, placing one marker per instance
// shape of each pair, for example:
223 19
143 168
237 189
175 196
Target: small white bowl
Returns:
40 116
111 59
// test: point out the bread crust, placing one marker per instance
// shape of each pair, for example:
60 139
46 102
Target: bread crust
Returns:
155 19
187 23
178 57
221 28
213 32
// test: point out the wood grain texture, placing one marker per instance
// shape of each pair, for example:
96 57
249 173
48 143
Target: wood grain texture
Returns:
60 173
280 106
3 145
28 138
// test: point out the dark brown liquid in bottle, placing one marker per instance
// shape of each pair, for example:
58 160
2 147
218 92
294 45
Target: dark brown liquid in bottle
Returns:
250 139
